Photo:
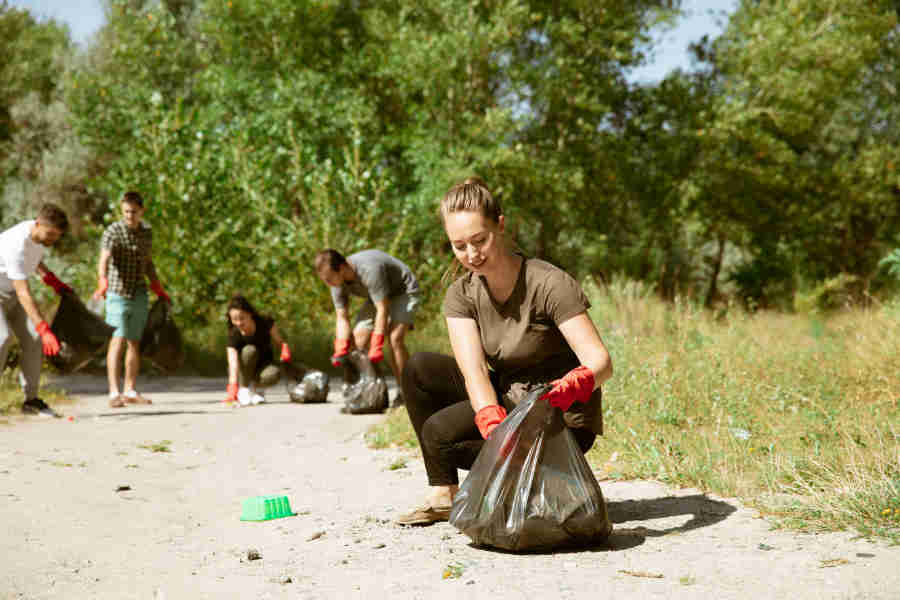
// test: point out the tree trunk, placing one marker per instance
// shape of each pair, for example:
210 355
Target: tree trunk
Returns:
714 280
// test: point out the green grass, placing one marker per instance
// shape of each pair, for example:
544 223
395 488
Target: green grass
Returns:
796 415
163 446
11 396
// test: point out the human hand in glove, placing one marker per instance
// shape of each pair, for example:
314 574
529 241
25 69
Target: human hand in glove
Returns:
157 288
58 286
341 349
376 348
575 386
48 339
488 418
231 392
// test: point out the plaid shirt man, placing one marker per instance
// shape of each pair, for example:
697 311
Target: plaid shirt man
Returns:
130 258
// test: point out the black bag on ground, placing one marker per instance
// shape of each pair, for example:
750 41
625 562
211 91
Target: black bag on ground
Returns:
365 390
305 385
161 341
531 487
81 334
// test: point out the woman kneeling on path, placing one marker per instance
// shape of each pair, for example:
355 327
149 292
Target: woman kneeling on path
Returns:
514 323
250 359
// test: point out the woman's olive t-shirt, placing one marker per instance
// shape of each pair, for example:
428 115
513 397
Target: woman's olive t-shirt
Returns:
521 337
523 332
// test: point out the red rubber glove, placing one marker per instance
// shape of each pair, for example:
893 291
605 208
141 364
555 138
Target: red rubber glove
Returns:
48 339
285 352
376 348
157 288
576 385
488 418
231 392
58 286
341 349
102 286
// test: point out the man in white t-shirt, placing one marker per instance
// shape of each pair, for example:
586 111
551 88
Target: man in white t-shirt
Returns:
21 252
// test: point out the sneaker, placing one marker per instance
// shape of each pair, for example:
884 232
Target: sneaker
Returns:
36 406
244 396
257 398
425 515
132 397
116 401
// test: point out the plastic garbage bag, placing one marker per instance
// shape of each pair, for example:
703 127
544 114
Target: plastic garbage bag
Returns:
531 487
81 334
365 390
161 341
305 385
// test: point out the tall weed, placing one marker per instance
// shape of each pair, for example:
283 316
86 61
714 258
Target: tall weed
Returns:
794 414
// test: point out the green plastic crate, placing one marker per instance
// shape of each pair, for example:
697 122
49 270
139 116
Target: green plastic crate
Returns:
264 508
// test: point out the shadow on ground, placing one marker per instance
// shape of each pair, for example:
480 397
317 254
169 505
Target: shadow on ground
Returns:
94 385
704 511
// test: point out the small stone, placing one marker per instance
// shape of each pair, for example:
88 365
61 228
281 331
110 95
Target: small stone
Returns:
315 535
123 488
470 582
253 554
379 546
286 579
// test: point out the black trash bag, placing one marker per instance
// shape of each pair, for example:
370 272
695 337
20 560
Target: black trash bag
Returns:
161 341
305 385
365 390
81 334
531 487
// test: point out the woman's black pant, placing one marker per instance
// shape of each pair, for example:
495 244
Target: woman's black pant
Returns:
440 412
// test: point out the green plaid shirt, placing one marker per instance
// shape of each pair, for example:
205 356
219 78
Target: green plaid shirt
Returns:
130 258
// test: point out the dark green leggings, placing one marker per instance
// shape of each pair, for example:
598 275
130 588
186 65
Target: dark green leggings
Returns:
249 374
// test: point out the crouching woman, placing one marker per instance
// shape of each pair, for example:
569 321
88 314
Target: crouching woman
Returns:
251 361
514 323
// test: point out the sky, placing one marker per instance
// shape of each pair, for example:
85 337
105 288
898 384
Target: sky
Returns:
84 17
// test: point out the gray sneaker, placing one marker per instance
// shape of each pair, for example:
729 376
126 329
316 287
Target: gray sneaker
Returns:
36 406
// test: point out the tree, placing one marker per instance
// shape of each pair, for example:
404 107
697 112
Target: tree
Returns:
263 131
798 157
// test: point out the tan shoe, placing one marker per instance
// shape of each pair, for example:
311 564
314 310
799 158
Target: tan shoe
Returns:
116 402
425 515
136 399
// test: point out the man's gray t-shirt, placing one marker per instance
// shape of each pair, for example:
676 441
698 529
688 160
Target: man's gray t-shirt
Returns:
378 276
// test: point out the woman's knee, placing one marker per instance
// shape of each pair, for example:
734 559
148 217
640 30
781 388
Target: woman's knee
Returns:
249 354
269 376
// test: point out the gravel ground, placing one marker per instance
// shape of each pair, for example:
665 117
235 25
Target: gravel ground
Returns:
90 510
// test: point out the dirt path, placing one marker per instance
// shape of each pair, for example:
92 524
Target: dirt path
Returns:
175 533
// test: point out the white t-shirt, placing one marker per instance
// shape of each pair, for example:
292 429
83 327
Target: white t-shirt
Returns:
19 255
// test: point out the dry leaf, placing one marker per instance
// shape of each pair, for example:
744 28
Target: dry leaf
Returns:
641 574
833 562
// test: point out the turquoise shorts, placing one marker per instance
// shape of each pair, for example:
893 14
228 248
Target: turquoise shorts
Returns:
127 315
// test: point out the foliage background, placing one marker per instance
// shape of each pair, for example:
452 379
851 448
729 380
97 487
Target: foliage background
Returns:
264 130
